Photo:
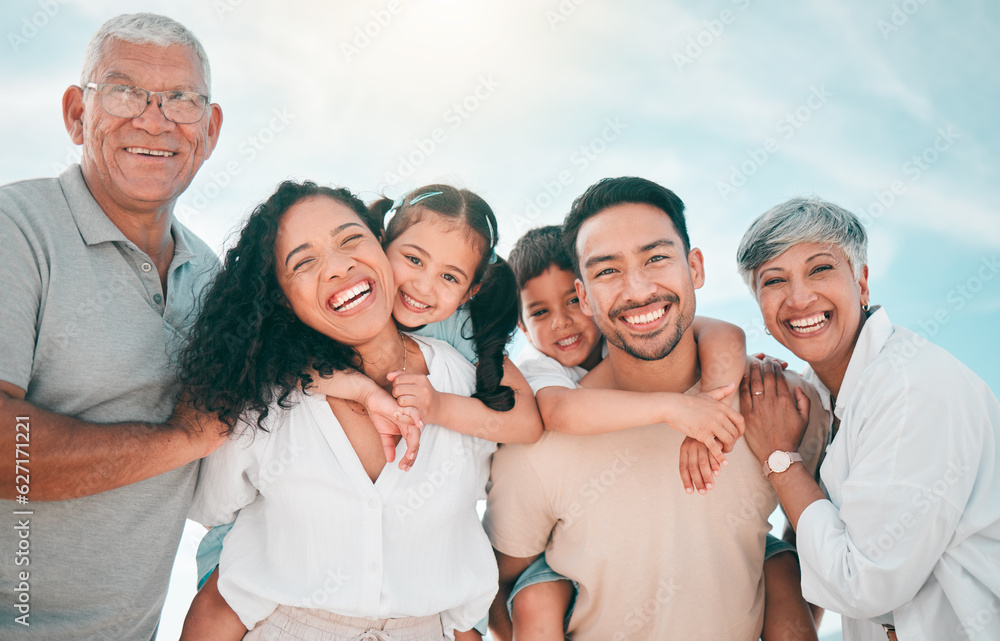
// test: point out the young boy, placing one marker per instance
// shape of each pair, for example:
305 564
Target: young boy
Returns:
564 344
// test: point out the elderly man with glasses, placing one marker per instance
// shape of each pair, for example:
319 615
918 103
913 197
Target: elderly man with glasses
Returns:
99 284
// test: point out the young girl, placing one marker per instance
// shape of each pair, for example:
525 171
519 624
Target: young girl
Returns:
440 242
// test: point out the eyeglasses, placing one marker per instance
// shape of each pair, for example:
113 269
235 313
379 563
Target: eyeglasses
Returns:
126 101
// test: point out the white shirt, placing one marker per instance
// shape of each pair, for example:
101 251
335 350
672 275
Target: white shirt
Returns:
313 531
912 525
541 370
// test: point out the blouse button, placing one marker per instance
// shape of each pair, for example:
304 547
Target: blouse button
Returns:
373 503
373 567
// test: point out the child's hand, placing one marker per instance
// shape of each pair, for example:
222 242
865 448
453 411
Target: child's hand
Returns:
761 356
415 391
698 466
391 420
706 418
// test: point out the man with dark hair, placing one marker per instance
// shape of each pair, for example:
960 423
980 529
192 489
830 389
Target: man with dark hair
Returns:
99 285
651 561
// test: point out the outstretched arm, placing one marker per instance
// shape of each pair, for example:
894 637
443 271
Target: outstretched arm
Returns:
521 424
69 458
597 411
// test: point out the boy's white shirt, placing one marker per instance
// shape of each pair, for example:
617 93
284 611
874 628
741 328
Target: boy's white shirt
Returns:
543 371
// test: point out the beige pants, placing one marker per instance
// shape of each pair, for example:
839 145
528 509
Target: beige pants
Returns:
300 624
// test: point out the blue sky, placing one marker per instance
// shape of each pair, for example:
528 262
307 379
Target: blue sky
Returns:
735 105
887 108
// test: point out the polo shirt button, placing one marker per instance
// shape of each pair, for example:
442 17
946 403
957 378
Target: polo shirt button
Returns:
146 267
157 298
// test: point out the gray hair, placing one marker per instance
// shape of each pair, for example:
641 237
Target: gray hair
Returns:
140 29
801 220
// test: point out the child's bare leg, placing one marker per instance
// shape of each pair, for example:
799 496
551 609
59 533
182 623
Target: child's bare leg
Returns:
538 611
787 615
210 617
469 635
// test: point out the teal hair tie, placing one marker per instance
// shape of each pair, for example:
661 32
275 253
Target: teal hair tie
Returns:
414 201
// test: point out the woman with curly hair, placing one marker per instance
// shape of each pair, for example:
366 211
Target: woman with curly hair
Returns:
330 541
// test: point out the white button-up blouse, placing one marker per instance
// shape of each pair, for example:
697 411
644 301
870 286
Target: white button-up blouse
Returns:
911 533
313 531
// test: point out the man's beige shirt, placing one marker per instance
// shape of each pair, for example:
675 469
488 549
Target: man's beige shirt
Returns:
652 562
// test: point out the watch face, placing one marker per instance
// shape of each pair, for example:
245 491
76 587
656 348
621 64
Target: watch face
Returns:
778 461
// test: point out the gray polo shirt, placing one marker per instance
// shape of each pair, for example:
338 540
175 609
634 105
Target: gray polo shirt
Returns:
86 330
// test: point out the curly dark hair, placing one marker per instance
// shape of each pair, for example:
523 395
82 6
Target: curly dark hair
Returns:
247 349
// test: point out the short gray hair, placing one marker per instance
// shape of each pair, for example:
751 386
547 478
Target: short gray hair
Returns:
140 29
801 220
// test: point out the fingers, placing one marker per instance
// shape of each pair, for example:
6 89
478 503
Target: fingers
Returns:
736 419
389 447
746 397
412 438
802 404
409 415
719 393
715 448
697 467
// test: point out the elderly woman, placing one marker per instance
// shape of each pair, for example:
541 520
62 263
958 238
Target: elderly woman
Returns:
331 542
902 529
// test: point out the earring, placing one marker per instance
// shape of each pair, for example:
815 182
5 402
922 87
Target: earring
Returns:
865 307
766 330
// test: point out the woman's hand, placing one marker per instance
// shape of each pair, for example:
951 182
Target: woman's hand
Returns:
415 391
698 466
775 418
708 419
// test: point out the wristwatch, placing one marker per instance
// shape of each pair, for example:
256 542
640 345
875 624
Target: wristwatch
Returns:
780 461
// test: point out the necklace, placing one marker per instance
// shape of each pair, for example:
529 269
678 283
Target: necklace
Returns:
364 410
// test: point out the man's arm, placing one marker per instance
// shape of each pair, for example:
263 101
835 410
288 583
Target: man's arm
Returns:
69 458
510 568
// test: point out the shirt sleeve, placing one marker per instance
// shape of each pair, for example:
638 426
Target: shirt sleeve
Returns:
544 371
519 517
227 479
911 471
20 302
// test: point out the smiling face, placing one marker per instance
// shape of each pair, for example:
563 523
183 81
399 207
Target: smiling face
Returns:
554 322
333 271
811 304
637 281
144 163
433 264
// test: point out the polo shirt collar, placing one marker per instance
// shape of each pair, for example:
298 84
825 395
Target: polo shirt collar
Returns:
95 226
871 340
